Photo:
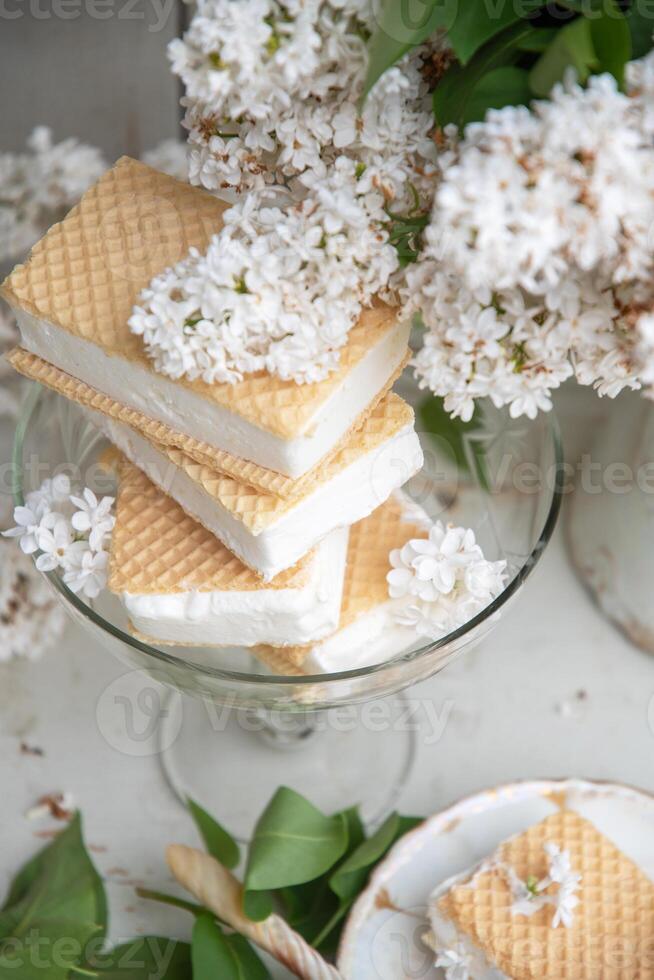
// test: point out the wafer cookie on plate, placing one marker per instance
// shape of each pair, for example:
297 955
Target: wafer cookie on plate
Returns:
500 919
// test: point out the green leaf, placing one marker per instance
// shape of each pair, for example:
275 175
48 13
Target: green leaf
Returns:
477 21
146 958
499 88
539 39
312 909
57 904
352 875
293 843
571 48
468 453
611 40
458 84
172 900
257 905
402 25
641 29
216 956
219 843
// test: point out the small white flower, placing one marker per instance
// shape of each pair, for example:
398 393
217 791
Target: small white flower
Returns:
528 899
93 518
456 963
88 573
57 543
26 530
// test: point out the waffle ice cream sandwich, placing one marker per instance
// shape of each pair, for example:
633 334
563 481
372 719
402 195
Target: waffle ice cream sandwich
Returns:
74 295
267 533
241 470
483 926
367 631
180 585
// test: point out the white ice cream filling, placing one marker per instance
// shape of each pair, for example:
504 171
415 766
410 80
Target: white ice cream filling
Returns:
168 401
372 638
349 496
233 618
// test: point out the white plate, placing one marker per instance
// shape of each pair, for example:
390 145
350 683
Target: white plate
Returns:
383 937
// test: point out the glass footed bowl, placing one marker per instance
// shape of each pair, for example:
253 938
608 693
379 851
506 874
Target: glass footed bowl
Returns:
222 715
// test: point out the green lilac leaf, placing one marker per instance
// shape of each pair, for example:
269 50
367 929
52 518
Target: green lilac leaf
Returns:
499 88
611 39
257 905
146 958
478 21
352 875
216 956
293 843
571 48
402 25
219 843
457 86
641 29
57 894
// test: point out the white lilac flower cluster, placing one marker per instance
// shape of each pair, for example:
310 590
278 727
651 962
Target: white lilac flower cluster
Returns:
273 90
31 618
272 97
69 532
277 290
538 260
39 185
530 896
443 580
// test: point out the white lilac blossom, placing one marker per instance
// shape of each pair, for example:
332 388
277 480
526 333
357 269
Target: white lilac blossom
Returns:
70 533
443 580
31 618
273 90
39 185
456 963
277 289
537 261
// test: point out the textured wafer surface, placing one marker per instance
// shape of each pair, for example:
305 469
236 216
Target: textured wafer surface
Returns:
157 549
35 368
611 936
370 543
85 276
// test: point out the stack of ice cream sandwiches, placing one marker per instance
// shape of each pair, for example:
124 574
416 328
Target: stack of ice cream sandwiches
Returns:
259 513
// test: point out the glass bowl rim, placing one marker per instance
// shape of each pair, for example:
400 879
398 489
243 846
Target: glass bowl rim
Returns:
30 403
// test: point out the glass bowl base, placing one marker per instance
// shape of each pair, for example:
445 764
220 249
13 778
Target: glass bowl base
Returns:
231 761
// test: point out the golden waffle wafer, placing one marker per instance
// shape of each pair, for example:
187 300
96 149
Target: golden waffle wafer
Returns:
156 548
611 935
